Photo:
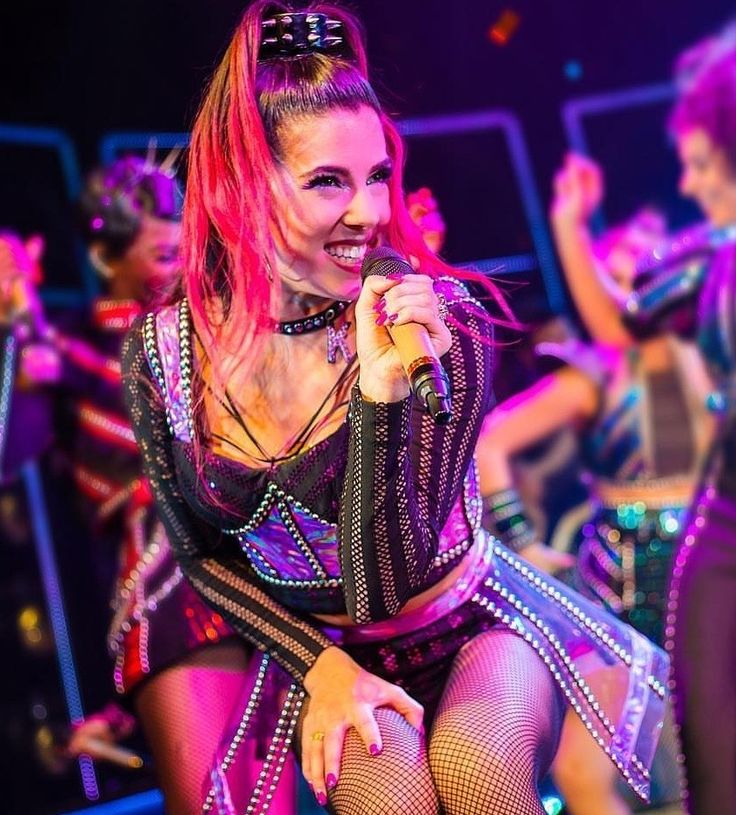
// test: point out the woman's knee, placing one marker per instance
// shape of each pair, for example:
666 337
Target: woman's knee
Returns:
477 763
398 781
581 766
579 774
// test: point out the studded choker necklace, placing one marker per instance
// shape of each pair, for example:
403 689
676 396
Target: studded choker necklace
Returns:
314 322
336 338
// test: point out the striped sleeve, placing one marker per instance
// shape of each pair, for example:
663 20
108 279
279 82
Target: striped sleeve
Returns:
405 473
223 581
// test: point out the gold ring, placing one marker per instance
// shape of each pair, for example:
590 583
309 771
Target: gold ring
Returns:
318 736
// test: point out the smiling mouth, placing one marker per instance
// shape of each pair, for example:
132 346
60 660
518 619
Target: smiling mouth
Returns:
347 254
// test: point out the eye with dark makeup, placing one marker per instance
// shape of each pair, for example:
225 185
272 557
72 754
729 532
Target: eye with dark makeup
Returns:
324 180
335 181
165 255
382 175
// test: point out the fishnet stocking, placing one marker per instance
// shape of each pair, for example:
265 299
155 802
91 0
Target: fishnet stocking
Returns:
496 730
186 710
396 782
495 735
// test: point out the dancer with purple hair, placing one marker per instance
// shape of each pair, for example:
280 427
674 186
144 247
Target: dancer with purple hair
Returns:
702 603
689 287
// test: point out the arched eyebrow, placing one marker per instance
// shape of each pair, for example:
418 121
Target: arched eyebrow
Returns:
342 172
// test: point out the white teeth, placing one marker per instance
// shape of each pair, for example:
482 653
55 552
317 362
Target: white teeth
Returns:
349 253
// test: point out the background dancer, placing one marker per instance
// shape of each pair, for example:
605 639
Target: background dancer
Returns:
701 605
643 425
176 662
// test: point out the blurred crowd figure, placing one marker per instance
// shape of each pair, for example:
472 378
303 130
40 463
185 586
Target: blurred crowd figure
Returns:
176 667
643 429
653 394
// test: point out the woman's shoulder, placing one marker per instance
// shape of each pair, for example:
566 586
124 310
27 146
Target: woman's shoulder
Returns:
153 325
160 343
155 336
693 244
453 290
461 300
669 280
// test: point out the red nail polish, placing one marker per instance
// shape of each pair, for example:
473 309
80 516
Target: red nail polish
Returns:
394 276
331 781
381 319
380 305
393 317
321 798
374 749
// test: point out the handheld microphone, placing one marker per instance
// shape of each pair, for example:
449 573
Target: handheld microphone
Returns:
52 749
102 750
428 380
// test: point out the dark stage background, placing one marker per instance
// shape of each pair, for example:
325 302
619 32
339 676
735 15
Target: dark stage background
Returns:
87 69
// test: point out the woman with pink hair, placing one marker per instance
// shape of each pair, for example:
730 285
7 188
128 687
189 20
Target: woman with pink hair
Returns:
309 494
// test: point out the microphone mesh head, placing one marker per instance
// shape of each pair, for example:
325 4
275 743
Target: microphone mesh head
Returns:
383 260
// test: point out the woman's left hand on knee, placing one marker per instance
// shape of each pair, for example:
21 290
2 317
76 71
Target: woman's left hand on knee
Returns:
343 695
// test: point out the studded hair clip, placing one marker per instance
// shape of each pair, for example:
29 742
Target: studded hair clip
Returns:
299 33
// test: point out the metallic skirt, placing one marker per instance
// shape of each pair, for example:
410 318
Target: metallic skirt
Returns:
158 618
623 562
613 677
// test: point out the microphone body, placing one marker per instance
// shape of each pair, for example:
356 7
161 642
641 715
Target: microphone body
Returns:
102 750
428 380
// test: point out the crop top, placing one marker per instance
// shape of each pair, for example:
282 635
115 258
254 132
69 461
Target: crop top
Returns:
367 518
